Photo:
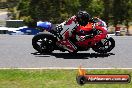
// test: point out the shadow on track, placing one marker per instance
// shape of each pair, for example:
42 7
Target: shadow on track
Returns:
74 56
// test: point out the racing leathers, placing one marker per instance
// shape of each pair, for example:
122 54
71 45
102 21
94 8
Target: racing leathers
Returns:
64 31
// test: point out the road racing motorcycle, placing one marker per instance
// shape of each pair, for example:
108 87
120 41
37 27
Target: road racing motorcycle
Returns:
94 35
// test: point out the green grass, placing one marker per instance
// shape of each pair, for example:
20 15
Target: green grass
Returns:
53 79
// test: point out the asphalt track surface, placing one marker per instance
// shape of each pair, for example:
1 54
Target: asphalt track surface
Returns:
16 52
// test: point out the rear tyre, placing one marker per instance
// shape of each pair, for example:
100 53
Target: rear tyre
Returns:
43 43
105 45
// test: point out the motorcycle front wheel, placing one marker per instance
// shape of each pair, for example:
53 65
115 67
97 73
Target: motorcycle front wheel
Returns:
105 45
43 43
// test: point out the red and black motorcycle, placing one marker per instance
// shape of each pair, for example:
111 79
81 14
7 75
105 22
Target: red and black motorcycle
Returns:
93 35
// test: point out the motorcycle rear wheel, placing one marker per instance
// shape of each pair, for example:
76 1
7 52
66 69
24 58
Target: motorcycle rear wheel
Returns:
105 45
43 43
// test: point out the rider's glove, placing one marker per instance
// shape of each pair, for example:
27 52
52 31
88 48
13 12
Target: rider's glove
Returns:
92 20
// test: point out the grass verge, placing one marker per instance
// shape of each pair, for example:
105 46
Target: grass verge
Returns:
14 78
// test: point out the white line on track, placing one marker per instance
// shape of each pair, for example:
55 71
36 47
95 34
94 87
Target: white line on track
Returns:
66 68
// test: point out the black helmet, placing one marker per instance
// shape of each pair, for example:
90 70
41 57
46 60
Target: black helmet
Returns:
83 18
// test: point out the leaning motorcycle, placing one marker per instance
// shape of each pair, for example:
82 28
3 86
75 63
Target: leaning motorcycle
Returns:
93 35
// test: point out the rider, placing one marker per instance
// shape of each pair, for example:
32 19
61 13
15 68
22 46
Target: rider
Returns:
65 29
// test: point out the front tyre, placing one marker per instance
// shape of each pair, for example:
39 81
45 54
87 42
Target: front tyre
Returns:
43 43
105 45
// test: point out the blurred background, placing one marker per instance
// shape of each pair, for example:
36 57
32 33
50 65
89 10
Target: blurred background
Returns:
116 13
